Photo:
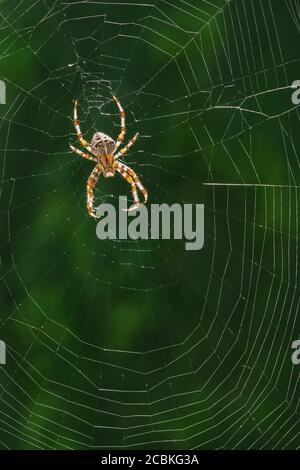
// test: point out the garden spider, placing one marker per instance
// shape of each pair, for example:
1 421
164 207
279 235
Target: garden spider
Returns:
103 149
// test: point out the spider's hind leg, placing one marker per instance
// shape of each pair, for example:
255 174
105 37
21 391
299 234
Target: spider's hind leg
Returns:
132 178
128 178
92 181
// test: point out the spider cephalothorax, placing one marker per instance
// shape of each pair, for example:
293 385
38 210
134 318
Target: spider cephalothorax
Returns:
103 149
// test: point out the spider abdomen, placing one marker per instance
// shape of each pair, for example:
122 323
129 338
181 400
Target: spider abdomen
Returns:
102 144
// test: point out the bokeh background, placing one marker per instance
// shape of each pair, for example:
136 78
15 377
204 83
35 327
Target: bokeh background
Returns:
141 344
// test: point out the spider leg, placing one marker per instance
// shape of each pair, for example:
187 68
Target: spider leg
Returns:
123 125
127 147
91 183
128 178
76 123
124 169
82 154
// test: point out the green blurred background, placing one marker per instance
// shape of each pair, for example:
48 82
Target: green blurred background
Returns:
140 344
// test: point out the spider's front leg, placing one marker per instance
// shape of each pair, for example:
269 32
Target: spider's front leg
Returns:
123 125
92 181
76 123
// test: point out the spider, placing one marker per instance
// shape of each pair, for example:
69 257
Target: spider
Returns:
104 152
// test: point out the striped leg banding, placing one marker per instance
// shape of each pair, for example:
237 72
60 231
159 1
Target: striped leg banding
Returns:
92 181
123 125
76 123
132 179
